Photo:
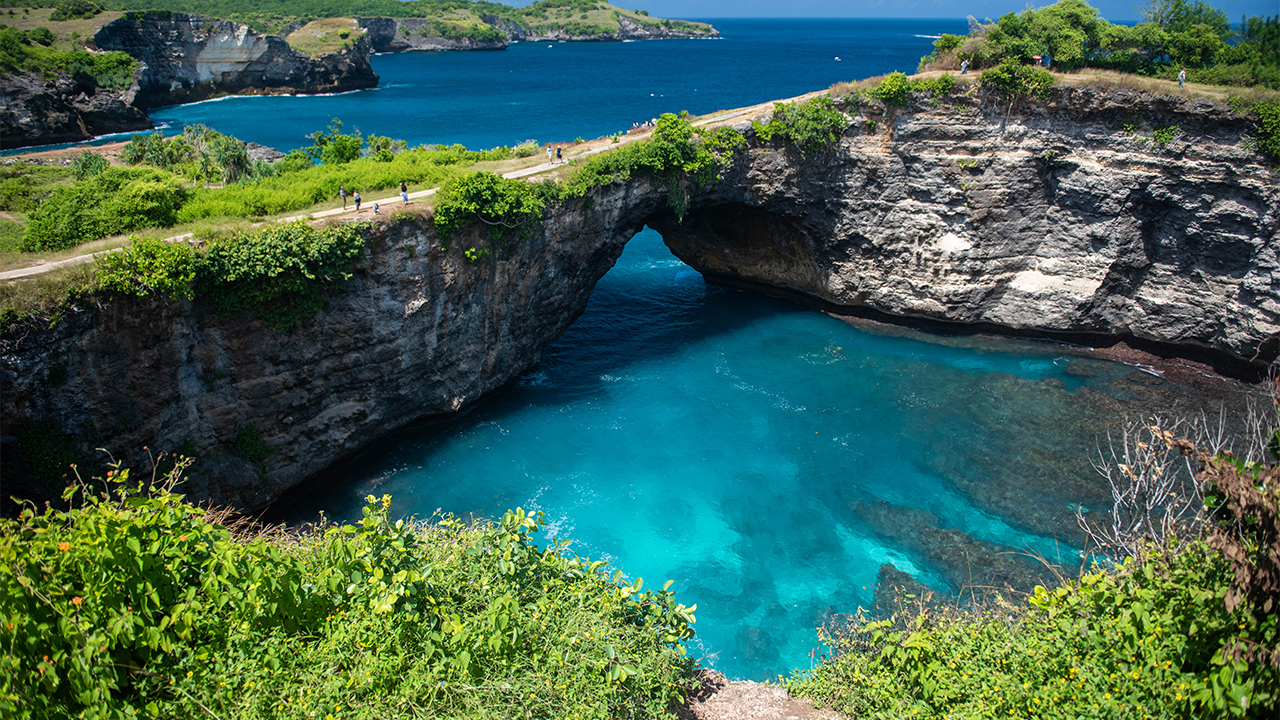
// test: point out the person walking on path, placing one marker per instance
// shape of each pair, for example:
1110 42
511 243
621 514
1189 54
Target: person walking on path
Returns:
355 195
558 157
342 193
964 67
549 151
1182 77
404 194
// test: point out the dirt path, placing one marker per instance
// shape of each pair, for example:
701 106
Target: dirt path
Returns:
594 147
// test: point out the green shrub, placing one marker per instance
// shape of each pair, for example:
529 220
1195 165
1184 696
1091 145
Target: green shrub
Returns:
74 10
149 267
249 444
1142 641
812 126
494 202
1014 81
135 604
88 164
1269 129
114 201
282 273
894 90
10 236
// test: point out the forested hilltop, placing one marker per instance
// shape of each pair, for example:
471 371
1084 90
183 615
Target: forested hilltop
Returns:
1174 35
478 20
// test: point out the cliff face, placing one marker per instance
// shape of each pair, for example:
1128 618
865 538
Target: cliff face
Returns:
418 332
190 57
1056 217
1053 218
401 34
36 111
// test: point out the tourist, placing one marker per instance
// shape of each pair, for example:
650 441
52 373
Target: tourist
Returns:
355 195
1182 77
964 67
559 157
404 193
377 210
549 153
342 193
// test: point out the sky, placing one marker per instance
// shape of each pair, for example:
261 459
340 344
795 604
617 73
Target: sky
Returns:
1113 10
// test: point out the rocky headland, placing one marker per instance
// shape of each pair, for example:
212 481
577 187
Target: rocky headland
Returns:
35 110
190 57
1058 218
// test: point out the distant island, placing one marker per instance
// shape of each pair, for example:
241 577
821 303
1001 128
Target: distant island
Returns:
76 70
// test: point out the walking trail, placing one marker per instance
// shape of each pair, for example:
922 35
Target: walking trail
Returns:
45 267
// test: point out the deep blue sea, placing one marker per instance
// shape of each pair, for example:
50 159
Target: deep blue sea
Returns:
767 458
555 92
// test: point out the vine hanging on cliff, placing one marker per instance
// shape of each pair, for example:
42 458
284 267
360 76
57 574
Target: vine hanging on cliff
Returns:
492 201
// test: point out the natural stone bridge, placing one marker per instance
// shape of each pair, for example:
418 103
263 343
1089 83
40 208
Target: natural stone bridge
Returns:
1049 220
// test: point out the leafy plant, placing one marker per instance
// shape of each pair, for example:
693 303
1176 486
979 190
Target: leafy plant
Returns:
1015 81
149 267
113 201
249 444
812 126
135 603
88 164
497 204
282 273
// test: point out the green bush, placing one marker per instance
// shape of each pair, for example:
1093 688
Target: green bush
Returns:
74 10
1142 641
135 604
149 267
1015 81
88 164
249 444
492 201
813 126
1268 129
114 201
894 90
282 273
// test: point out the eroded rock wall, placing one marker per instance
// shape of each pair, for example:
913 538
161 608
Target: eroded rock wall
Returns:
38 111
1053 217
401 34
191 57
418 332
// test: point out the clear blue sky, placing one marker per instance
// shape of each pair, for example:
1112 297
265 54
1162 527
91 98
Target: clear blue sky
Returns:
1114 10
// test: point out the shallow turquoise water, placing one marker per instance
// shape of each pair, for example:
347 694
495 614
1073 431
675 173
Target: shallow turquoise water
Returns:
737 445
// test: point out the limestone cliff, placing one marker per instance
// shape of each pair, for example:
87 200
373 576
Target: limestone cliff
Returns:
66 108
1056 218
418 332
401 34
190 57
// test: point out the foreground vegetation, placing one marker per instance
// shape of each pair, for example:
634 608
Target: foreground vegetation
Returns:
136 604
1180 625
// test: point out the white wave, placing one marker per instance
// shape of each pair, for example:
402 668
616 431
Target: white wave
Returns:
932 37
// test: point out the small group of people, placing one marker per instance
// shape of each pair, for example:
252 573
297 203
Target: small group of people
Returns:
641 125
377 209
553 155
